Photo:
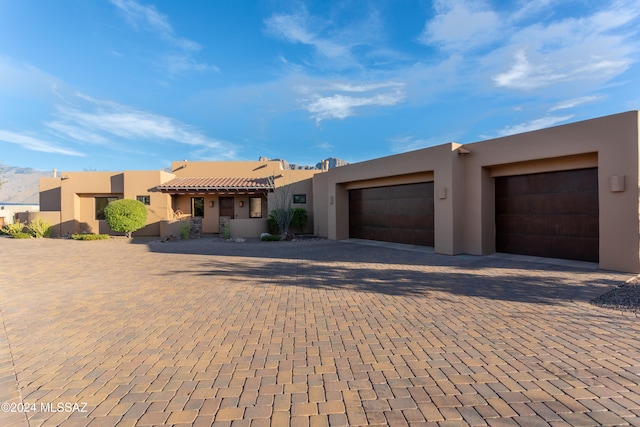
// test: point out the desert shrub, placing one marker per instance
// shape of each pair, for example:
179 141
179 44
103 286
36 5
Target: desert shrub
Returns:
12 229
39 228
185 229
299 218
226 231
21 235
270 238
126 215
83 236
273 223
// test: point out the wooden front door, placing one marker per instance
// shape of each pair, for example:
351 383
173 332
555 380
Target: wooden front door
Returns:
226 207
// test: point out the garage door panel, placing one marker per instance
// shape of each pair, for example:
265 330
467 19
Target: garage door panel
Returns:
576 181
552 214
550 203
401 213
562 225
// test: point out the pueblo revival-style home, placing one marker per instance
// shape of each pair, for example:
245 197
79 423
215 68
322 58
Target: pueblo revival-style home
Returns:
569 191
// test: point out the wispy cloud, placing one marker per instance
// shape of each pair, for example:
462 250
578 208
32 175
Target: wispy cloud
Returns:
148 18
103 122
332 43
326 104
461 25
533 47
571 103
36 143
404 143
532 125
593 48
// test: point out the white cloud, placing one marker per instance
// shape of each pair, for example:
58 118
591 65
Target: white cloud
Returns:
571 103
340 41
532 125
340 106
591 49
402 144
35 143
297 28
151 20
460 25
102 122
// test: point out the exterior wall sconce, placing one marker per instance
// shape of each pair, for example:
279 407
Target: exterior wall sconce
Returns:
241 203
616 183
211 204
442 192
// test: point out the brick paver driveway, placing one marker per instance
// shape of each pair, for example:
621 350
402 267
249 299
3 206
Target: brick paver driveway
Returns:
299 333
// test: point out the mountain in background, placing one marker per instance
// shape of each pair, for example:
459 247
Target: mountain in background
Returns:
333 162
20 185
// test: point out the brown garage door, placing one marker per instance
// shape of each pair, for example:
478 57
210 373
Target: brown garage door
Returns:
551 214
399 213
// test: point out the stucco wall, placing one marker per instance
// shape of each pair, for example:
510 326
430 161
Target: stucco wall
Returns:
464 183
612 140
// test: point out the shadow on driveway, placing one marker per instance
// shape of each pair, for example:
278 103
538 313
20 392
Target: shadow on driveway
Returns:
333 265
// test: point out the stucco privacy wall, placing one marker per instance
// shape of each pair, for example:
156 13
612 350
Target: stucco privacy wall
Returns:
463 178
613 140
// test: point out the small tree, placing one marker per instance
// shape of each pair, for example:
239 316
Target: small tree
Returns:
282 214
126 216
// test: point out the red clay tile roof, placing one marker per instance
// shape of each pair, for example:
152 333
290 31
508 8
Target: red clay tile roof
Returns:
216 185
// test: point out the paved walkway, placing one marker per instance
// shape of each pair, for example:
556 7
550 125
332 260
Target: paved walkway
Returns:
306 333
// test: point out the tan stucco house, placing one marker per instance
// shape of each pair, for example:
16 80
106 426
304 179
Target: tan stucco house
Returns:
238 192
569 191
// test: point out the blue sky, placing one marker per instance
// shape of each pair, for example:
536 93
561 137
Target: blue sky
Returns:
128 84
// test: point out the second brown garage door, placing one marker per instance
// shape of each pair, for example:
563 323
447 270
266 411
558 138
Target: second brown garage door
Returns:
551 214
398 213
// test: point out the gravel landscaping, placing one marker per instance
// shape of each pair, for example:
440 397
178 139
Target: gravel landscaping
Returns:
625 297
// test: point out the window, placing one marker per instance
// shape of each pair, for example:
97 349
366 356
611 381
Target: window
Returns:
255 207
144 199
197 206
300 199
101 203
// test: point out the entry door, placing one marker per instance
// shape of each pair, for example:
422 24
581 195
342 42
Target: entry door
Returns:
226 207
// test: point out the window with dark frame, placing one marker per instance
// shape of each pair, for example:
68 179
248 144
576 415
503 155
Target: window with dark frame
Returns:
101 203
144 199
300 199
197 206
255 207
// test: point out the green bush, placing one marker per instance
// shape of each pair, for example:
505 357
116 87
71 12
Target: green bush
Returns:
90 236
126 216
21 235
13 229
273 223
299 218
270 238
226 231
39 228
185 229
